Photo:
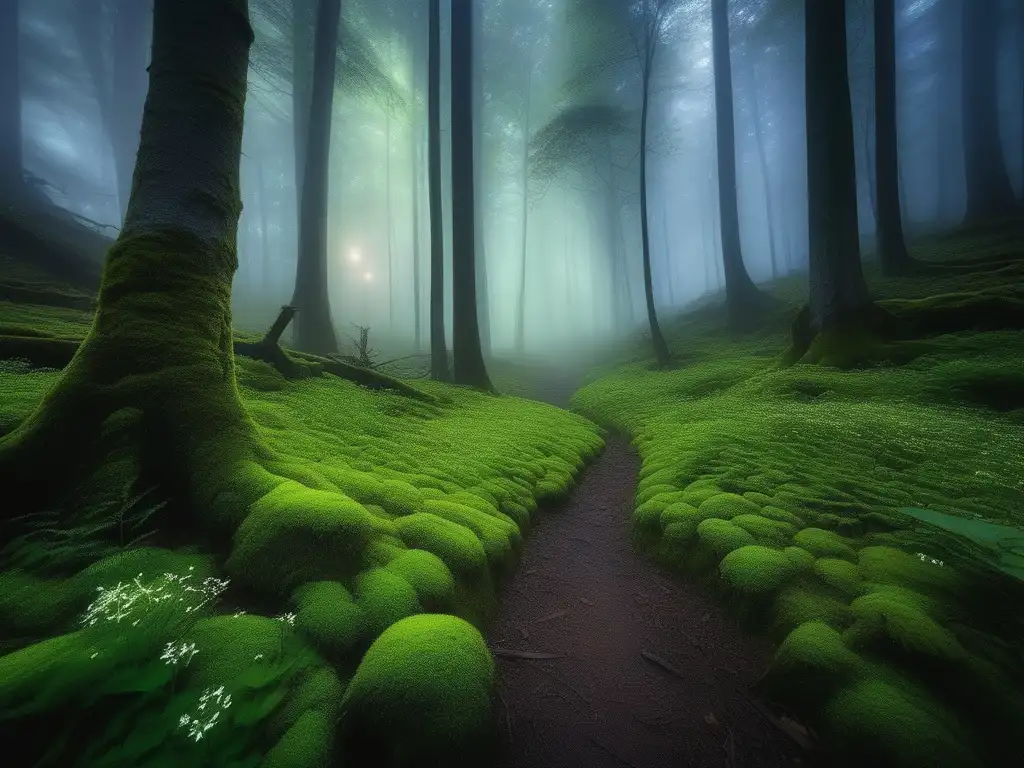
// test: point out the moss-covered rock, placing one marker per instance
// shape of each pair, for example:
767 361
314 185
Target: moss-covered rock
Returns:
887 565
326 613
824 543
765 530
721 536
756 569
841 575
898 616
385 598
421 696
810 665
455 544
727 506
428 575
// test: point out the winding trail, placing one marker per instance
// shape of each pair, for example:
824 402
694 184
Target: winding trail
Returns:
650 672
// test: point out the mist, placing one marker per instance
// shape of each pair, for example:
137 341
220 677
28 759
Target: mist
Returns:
573 271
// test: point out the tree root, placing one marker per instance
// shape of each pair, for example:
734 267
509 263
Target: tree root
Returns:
57 353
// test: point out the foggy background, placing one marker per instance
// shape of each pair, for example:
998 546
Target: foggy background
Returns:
81 85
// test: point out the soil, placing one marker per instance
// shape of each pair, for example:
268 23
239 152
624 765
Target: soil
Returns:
650 672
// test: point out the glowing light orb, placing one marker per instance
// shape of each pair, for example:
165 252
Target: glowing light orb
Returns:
355 256
368 276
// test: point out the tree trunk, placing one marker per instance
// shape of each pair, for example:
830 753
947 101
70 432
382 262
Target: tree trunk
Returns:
11 164
892 249
742 296
264 234
159 353
416 151
483 294
302 66
661 353
524 215
132 35
838 292
870 160
314 328
438 350
989 192
669 272
468 356
762 159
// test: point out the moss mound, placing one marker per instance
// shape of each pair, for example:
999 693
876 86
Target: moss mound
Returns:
421 696
756 569
326 613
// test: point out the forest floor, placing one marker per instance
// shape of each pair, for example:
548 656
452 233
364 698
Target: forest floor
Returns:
649 671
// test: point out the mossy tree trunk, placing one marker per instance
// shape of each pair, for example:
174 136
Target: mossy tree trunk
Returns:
892 248
10 101
438 349
161 341
989 192
468 356
132 33
314 327
742 297
838 292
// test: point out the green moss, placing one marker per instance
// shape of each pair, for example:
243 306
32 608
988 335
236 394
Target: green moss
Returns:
455 544
782 516
799 557
498 537
766 531
295 534
888 722
307 744
810 665
727 506
886 565
326 613
421 696
897 616
385 598
721 536
680 513
756 569
824 543
841 575
427 574
800 603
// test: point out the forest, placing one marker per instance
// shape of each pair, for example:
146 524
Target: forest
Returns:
511 383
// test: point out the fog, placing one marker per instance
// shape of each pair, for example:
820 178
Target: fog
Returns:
82 86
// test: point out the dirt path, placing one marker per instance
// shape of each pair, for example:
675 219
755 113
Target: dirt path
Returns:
582 592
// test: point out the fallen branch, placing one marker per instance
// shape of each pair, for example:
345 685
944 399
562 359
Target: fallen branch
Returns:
507 653
662 663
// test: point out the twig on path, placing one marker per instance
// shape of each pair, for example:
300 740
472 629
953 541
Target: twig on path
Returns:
508 715
508 653
663 664
730 749
620 758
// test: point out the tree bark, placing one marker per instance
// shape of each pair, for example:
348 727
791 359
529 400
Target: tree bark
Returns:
438 350
132 36
467 352
314 327
264 233
11 164
661 353
989 192
892 249
302 65
743 299
160 348
483 290
838 292
762 159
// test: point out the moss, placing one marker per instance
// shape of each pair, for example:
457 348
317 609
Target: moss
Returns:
456 545
800 603
326 613
427 574
421 696
721 536
886 565
885 721
680 513
766 531
782 516
385 598
498 537
897 616
295 534
799 557
824 543
810 665
841 575
307 744
727 506
756 569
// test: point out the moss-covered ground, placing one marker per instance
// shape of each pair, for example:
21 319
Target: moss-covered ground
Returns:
126 642
900 643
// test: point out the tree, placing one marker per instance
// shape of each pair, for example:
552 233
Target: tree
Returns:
314 328
762 159
838 292
989 192
466 349
438 350
11 168
892 248
742 297
157 362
